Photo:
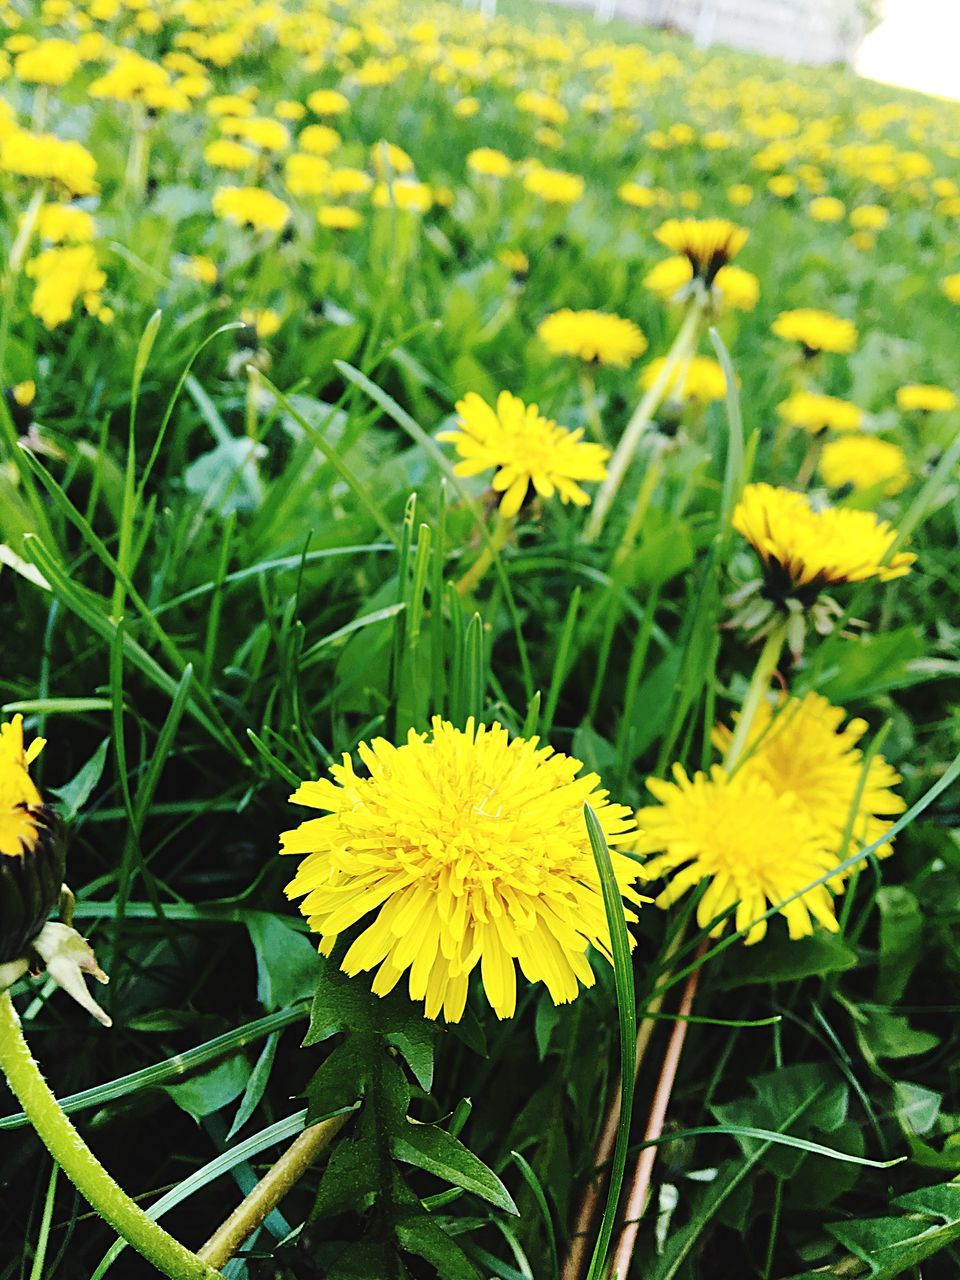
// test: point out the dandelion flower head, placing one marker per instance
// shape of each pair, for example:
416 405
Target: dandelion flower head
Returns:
864 462
596 337
809 549
801 746
816 331
708 243
526 449
754 844
814 412
461 848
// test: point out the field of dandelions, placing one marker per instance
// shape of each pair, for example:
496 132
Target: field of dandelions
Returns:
510 468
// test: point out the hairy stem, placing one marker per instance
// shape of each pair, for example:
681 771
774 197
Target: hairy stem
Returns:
80 1164
270 1190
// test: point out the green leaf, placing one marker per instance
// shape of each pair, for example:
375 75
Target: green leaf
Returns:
890 1246
424 1238
212 1089
783 960
889 1035
901 941
287 962
75 793
440 1153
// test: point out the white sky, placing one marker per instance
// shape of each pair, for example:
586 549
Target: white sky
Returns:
917 45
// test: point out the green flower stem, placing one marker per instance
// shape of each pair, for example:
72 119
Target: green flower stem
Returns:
759 687
270 1190
496 542
591 407
80 1164
683 346
809 464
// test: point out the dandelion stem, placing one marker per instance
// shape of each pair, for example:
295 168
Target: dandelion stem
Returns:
639 1189
80 1164
683 345
591 407
495 543
759 686
270 1190
590 1201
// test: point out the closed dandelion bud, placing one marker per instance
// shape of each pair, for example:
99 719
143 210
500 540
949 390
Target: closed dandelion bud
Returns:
31 846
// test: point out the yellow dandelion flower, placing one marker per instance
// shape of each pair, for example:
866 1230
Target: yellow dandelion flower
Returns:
814 412
869 217
404 194
950 287
306 175
802 548
526 449
515 260
709 243
261 132
199 268
251 207
62 276
734 287
542 106
917 397
389 159
287 109
740 194
827 209
594 336
864 462
264 321
319 139
49 62
783 186
489 163
634 193
65 223
703 380
24 393
554 186
802 747
816 330
349 182
31 850
339 217
753 843
461 848
47 158
227 153
328 102
466 108
670 278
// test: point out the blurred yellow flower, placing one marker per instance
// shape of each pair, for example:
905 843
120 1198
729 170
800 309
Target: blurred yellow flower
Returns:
263 320
593 336
554 185
708 243
62 276
328 102
703 380
917 397
489 163
199 268
815 412
810 549
827 209
339 217
816 330
869 217
864 462
251 207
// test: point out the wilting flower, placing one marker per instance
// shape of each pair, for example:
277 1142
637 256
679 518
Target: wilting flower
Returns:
754 844
816 331
526 448
708 243
462 847
815 412
925 399
252 207
801 747
31 848
864 462
594 336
